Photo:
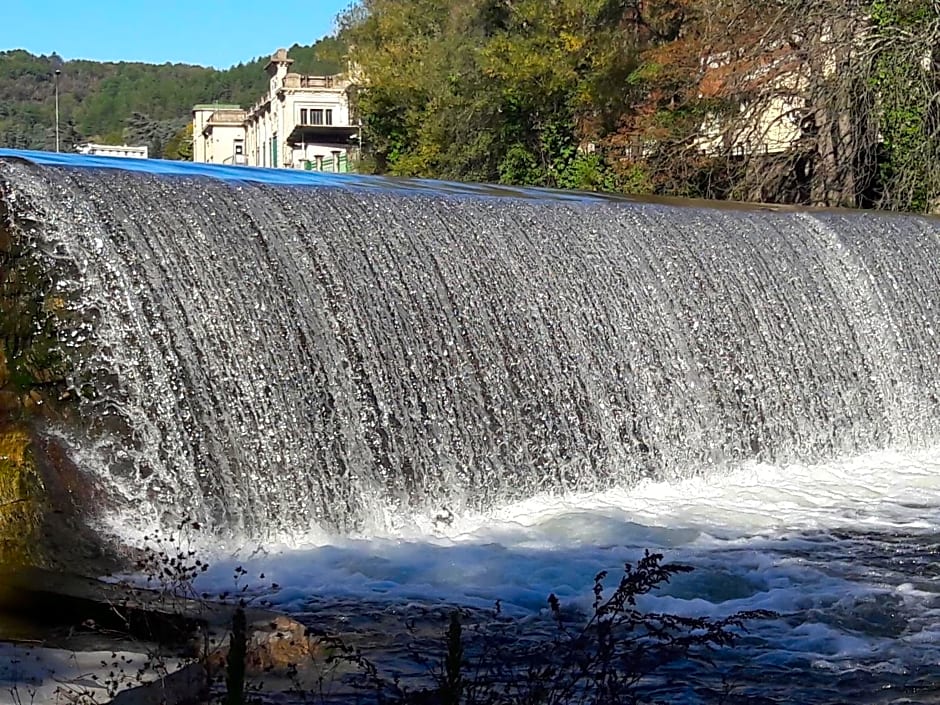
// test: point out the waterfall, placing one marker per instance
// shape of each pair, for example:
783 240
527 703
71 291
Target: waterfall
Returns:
268 356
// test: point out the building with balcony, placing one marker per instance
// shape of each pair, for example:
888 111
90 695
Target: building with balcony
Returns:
302 122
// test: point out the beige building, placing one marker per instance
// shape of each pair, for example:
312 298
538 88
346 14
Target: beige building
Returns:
770 124
219 134
302 122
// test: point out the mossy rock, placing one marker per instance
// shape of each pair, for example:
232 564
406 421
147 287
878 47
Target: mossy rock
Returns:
32 314
46 502
21 500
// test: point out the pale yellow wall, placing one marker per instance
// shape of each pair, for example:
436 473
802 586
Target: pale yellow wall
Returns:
260 128
275 115
220 143
279 112
200 118
335 100
769 127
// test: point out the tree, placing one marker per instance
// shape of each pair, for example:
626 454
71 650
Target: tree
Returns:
180 146
491 90
905 77
821 102
96 99
141 129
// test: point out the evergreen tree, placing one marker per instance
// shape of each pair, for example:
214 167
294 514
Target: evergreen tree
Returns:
118 102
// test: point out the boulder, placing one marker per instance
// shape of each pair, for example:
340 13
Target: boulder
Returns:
278 645
45 504
21 500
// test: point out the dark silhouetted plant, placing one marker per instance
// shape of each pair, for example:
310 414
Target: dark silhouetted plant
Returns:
602 659
235 662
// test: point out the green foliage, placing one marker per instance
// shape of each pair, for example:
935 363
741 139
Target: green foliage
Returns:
180 145
21 499
324 58
143 129
907 90
614 95
490 91
588 172
115 103
519 166
636 180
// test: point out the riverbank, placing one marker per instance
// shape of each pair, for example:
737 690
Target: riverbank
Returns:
70 639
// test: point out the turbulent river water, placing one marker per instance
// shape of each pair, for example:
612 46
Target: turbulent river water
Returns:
394 397
845 553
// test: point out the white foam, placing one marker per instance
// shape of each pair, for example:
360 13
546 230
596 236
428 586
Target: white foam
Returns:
797 540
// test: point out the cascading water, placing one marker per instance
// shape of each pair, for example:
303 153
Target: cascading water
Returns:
268 358
567 380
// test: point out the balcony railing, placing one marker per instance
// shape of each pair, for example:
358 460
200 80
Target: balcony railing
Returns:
316 81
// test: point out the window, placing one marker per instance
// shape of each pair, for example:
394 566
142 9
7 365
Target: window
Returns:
316 116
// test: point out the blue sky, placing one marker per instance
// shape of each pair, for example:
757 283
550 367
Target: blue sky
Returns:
216 33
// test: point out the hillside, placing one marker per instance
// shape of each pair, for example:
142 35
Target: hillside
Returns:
128 102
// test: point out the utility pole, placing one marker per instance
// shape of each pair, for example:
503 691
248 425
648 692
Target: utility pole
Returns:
57 72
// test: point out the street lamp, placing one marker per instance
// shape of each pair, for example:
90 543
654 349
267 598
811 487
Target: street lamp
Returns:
57 72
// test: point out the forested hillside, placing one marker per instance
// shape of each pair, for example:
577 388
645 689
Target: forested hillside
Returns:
128 102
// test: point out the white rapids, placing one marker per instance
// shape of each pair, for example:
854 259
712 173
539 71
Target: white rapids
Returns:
844 552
